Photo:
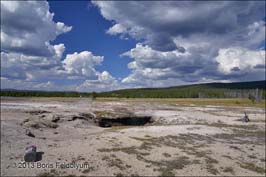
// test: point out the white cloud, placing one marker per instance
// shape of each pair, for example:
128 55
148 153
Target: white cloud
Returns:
82 64
20 66
59 50
27 27
155 65
104 81
77 70
48 85
106 77
62 28
29 61
179 43
255 34
239 60
197 64
187 41
160 22
116 29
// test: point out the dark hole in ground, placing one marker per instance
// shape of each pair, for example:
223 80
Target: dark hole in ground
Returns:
124 121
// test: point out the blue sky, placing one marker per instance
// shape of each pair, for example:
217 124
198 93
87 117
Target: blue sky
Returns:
94 26
107 45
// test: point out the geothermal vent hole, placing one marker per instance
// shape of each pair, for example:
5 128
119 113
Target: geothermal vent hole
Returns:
124 121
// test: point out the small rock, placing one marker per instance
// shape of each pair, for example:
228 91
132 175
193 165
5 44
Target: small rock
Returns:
52 125
33 124
25 121
245 118
29 133
30 154
48 124
55 119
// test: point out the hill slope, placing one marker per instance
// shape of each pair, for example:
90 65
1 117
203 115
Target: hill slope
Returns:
212 90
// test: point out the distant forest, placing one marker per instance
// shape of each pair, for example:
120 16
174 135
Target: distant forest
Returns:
209 90
28 93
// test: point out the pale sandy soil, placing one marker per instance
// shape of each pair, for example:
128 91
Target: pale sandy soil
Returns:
191 140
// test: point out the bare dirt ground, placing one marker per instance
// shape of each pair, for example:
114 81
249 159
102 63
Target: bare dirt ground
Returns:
181 140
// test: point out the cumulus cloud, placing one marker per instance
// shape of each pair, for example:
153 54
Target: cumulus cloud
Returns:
155 65
234 60
105 80
30 61
159 22
190 41
19 66
116 29
178 43
77 71
28 27
82 64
